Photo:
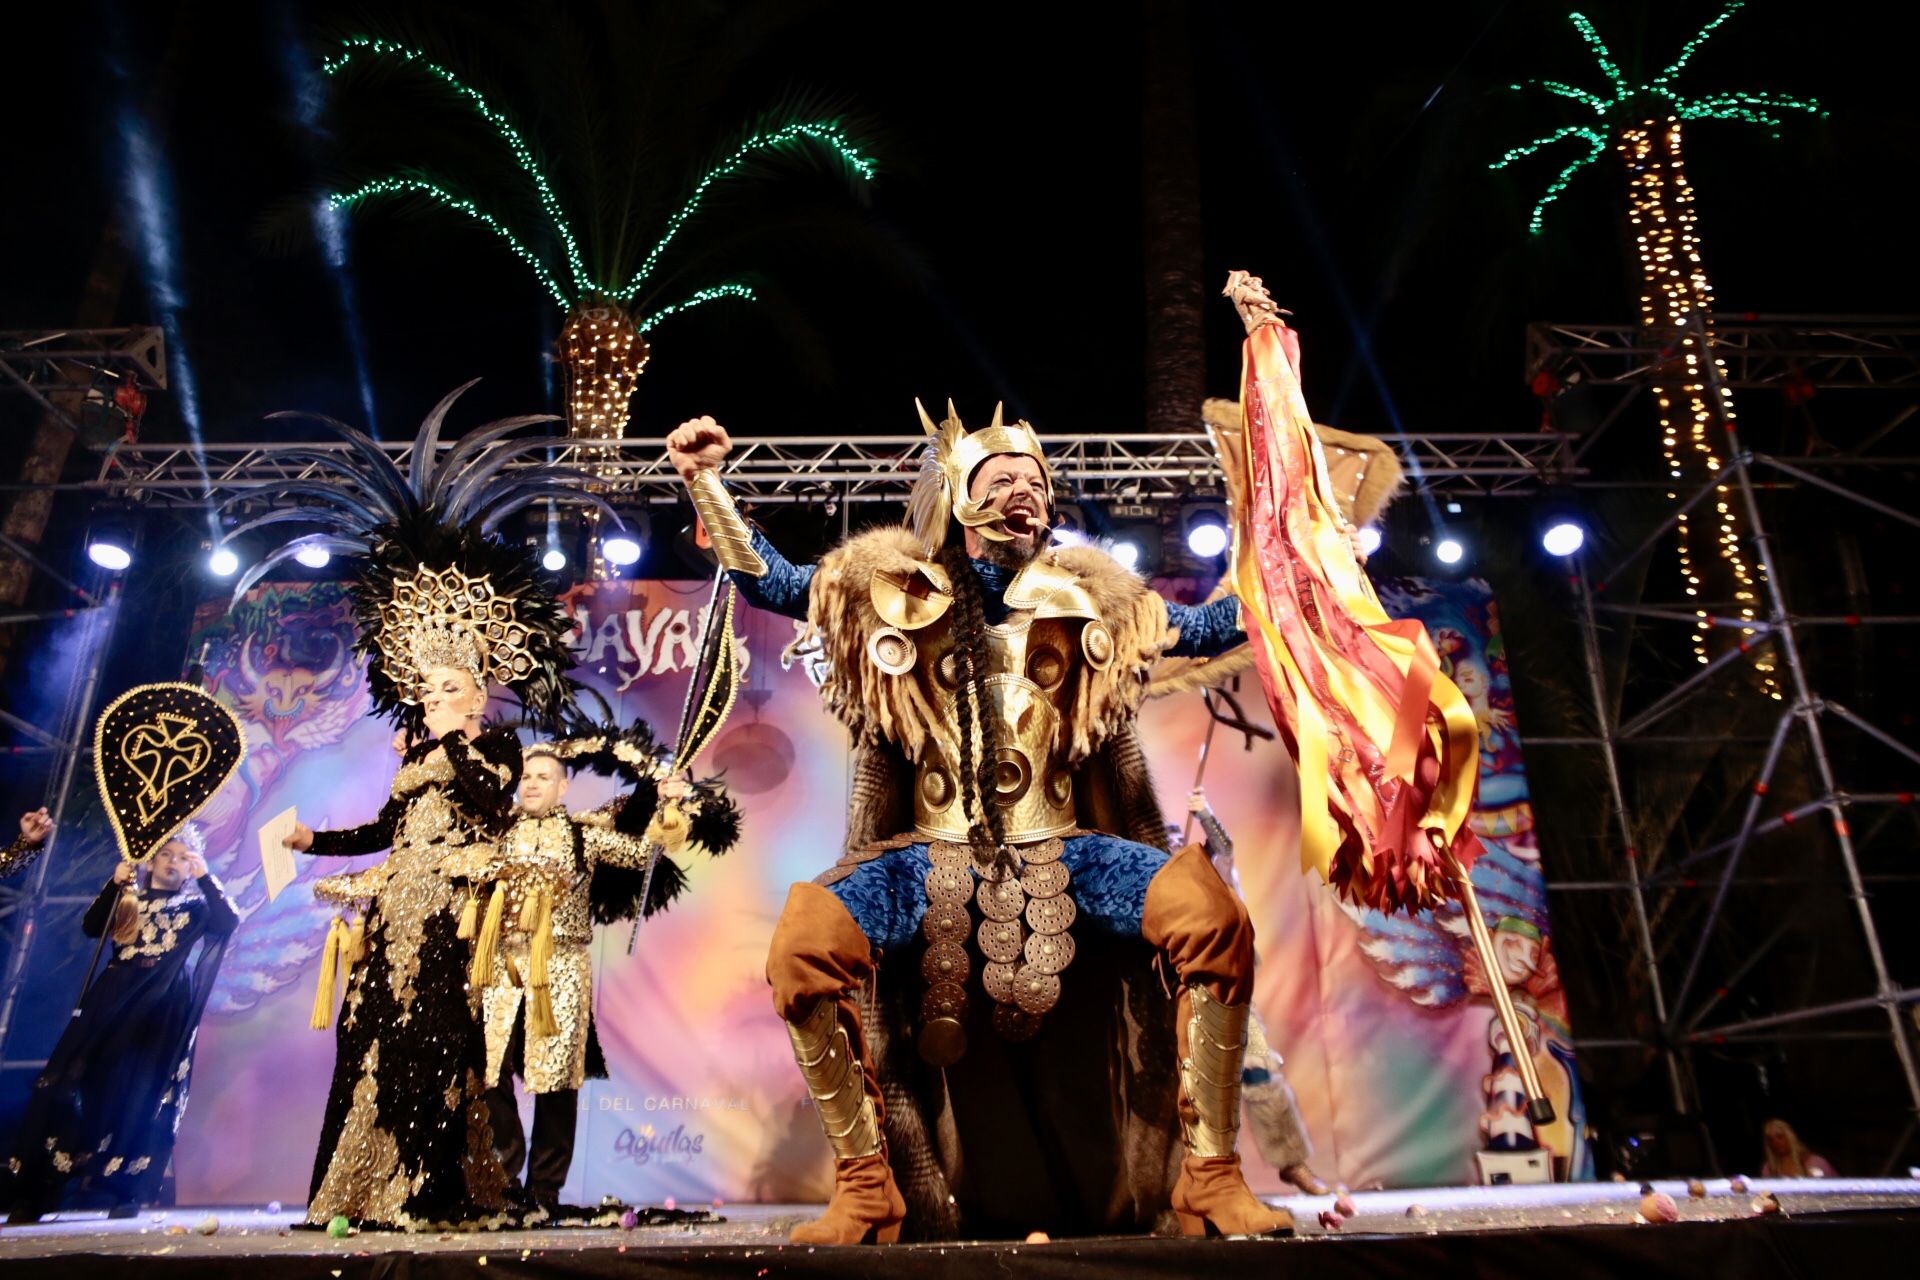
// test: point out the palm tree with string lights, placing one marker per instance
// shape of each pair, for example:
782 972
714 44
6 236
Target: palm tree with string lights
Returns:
1642 122
632 118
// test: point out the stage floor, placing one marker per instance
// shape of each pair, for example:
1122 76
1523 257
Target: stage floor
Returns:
1579 1229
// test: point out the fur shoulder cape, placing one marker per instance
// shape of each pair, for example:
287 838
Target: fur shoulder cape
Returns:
877 707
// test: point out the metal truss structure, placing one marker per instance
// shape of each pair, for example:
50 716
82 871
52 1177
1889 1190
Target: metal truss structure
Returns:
65 373
1835 353
61 362
65 746
1824 355
867 469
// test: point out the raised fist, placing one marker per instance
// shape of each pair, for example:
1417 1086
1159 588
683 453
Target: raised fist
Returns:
1250 298
696 445
35 827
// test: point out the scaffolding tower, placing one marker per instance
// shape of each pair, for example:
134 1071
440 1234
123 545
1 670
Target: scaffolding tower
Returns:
1690 967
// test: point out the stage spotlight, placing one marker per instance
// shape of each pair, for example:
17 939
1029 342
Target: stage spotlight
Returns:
1449 550
108 553
1138 547
1066 535
223 563
1563 530
1369 539
1207 540
314 557
620 548
1072 527
553 560
110 540
623 544
1135 525
1206 529
1563 538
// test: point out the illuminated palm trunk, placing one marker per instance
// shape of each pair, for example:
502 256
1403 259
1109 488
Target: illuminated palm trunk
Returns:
1695 404
603 353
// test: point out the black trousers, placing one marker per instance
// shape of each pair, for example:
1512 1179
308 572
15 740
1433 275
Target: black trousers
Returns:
555 1116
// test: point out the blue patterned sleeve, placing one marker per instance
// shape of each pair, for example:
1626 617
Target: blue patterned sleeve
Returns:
1206 630
782 588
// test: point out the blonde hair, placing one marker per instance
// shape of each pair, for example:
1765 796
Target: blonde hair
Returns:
125 925
1791 1165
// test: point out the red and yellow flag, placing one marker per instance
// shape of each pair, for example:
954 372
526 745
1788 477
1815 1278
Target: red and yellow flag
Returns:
1387 746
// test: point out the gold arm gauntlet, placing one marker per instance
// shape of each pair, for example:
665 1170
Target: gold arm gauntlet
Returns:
1210 1073
836 1080
732 544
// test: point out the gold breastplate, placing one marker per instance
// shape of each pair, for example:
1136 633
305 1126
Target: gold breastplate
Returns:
1033 660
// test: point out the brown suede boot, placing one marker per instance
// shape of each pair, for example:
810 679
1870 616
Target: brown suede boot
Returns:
818 958
1212 1199
1203 927
866 1207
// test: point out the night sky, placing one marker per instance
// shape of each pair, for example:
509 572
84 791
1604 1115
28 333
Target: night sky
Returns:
1343 154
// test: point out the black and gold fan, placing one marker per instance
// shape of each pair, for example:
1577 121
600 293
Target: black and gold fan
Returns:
160 751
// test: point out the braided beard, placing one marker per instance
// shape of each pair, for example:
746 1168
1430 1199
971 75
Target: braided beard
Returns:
986 823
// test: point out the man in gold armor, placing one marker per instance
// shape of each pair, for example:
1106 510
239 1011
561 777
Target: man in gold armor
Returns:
991 681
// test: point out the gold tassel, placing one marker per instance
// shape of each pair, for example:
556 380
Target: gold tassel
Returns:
469 918
540 1020
482 971
329 961
669 828
356 947
540 1013
529 917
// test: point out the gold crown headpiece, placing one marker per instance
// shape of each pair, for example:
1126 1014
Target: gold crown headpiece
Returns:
444 618
953 455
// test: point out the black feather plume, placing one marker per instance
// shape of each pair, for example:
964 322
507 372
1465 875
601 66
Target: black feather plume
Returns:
716 828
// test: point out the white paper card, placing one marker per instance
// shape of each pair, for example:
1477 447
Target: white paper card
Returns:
276 859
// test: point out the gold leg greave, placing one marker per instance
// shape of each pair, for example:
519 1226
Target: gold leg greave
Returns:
836 1080
1210 1073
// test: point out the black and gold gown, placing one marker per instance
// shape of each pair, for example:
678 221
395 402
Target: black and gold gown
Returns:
405 1143
107 1105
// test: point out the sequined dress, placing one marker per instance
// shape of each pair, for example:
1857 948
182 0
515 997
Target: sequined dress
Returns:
115 1086
405 1143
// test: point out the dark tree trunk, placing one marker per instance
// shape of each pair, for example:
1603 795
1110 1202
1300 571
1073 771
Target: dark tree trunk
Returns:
1172 237
99 306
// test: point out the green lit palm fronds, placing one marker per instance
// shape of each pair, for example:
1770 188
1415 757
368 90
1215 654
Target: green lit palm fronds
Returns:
620 160
1626 100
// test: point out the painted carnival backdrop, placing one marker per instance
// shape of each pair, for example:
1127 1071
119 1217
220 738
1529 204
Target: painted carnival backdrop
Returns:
1387 1025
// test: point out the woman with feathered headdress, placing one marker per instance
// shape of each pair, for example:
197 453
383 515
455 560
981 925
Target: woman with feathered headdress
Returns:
447 612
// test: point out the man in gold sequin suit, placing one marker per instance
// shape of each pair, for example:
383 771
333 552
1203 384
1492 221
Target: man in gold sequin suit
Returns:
991 684
538 1010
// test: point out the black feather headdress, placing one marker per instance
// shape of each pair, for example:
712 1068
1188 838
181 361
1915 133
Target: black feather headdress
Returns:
434 584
